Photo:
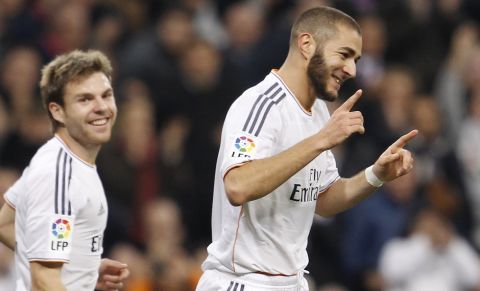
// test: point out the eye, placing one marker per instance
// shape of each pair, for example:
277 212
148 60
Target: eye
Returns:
343 56
108 94
84 99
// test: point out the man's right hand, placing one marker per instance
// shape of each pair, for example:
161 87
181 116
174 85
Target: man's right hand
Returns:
342 123
111 275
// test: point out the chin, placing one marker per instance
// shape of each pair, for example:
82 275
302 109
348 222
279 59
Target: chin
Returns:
325 90
328 96
101 139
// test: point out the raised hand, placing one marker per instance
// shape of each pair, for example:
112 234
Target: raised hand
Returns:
395 161
343 123
111 275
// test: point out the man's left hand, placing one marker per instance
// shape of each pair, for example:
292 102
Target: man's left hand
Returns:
395 161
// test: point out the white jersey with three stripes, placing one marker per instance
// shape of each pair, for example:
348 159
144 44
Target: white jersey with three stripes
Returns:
268 235
60 215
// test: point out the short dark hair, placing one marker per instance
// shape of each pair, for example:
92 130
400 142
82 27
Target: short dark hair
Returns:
67 68
322 22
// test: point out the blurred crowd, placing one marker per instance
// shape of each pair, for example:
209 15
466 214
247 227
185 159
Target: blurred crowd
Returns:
179 64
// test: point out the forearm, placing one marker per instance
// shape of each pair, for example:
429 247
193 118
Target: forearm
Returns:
7 236
46 276
258 178
7 226
344 194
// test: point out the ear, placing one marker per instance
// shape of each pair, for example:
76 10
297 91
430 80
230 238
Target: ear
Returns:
306 45
57 112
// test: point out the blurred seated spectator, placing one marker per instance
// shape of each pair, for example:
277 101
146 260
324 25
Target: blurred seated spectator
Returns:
432 257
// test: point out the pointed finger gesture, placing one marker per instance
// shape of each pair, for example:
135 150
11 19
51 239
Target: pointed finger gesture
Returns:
343 123
395 161
348 105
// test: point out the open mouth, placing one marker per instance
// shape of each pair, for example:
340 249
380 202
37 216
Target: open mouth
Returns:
99 122
338 80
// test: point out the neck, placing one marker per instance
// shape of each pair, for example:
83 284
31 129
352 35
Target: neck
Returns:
294 74
87 153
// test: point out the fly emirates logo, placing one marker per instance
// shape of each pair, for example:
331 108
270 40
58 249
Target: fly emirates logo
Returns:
307 193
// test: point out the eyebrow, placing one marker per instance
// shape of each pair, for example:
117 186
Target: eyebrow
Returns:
84 94
108 90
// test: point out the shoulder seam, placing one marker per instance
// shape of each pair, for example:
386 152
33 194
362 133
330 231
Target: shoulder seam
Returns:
261 108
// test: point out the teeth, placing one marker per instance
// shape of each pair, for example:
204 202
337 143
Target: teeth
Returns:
99 121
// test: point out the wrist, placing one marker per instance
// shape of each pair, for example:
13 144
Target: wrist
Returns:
321 142
372 178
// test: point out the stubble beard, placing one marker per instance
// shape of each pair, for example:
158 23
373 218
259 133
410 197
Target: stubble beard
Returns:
318 73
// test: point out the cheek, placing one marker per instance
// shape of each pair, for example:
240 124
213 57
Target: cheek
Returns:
114 111
334 64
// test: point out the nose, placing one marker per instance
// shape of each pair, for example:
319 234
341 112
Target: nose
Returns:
100 104
350 68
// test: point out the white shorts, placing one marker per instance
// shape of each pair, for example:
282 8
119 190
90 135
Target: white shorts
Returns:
214 280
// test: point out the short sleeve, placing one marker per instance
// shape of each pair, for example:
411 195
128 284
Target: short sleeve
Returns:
12 194
331 171
249 133
49 221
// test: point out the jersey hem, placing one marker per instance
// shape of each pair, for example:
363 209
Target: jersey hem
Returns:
233 167
48 260
329 185
9 203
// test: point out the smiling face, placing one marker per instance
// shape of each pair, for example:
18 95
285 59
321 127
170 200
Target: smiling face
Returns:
88 113
334 62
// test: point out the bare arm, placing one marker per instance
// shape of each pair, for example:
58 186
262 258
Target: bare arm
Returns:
346 193
46 276
7 226
258 178
343 194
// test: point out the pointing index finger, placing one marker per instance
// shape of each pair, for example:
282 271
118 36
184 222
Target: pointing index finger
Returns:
404 139
347 105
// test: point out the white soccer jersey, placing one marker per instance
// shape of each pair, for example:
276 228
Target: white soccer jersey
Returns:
60 215
269 234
